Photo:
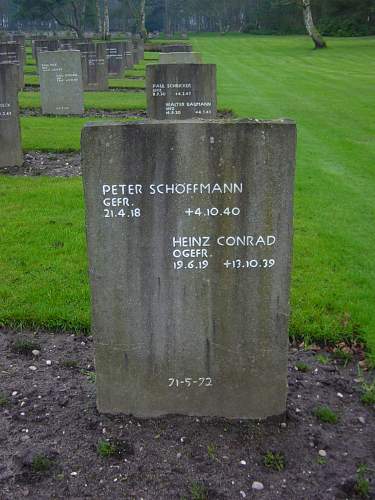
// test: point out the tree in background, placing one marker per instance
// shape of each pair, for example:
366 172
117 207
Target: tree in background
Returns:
310 26
66 13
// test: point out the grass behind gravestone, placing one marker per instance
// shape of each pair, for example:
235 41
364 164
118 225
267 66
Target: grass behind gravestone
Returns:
329 93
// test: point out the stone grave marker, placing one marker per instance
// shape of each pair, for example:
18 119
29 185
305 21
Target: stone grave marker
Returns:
129 54
43 46
180 58
94 66
140 47
181 91
115 58
135 51
21 39
189 227
67 43
11 52
10 130
61 86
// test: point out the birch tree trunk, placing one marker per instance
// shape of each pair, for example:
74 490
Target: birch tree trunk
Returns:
106 19
99 25
142 18
310 26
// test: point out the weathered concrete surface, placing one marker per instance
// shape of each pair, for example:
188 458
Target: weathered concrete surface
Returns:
128 53
115 58
68 43
61 86
139 47
10 130
189 227
136 58
11 52
43 46
94 66
180 58
181 91
21 39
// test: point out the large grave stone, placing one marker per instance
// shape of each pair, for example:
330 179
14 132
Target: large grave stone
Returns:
180 58
10 130
189 227
61 84
94 66
181 91
129 54
11 52
115 58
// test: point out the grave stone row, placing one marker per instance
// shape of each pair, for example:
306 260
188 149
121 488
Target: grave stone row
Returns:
94 66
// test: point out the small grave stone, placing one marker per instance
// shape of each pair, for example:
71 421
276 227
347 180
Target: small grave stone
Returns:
115 58
129 54
180 58
181 91
189 227
21 39
67 43
136 58
10 130
140 48
11 52
94 66
61 85
43 46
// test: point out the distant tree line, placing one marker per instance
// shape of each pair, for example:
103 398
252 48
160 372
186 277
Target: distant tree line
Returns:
332 17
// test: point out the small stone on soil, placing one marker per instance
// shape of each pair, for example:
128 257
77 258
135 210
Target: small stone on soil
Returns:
257 486
32 367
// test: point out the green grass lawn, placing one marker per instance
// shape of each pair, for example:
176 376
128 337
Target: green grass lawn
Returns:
125 83
330 95
59 134
118 101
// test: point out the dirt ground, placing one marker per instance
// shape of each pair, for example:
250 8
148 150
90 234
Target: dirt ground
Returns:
50 431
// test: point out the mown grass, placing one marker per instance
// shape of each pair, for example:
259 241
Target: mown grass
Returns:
60 134
329 94
117 101
33 80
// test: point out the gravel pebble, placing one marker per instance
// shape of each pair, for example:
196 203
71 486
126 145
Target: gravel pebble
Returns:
257 486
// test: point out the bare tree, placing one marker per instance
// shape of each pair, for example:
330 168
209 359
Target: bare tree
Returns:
98 17
310 26
105 19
